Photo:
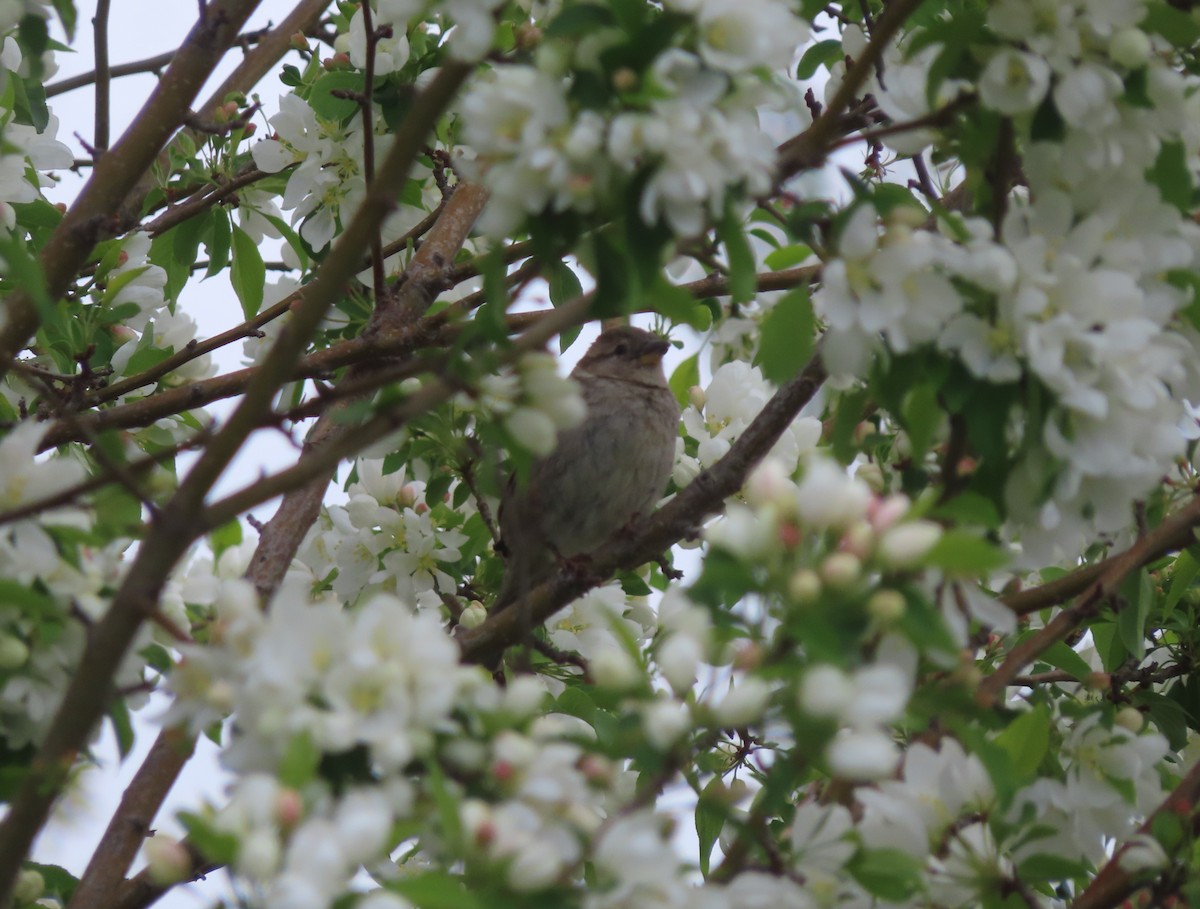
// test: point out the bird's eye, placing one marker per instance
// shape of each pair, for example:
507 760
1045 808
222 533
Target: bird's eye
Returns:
621 350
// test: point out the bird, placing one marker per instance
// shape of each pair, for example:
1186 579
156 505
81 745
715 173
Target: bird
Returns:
603 473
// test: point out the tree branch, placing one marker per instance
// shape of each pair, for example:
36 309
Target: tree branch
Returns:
137 596
809 148
1110 576
435 330
131 822
115 174
100 41
1113 884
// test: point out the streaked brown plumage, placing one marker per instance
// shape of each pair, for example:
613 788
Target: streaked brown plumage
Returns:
604 472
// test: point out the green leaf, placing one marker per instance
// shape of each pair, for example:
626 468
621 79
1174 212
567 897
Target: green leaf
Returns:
122 726
787 337
1061 656
1171 174
26 272
711 814
686 375
1043 866
1138 590
298 767
27 600
1176 25
969 508
225 536
328 107
1167 714
1026 740
563 282
823 53
216 846
922 415
787 256
60 882
66 15
248 274
218 244
1184 572
447 805
962 553
489 318
887 873
741 258
435 890
846 418
678 305
579 19
119 282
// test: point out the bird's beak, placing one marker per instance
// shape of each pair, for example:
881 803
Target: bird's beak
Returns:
654 352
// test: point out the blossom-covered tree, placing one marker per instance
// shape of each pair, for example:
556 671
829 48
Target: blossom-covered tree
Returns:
916 620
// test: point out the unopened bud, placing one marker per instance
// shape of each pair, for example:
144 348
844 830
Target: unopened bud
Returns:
167 860
289 808
624 79
614 669
886 605
1130 718
29 887
13 652
841 570
697 397
473 616
804 586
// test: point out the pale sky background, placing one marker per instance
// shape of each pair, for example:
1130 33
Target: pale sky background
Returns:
140 29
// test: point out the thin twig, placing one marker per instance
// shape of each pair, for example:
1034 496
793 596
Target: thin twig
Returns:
149 65
100 41
1101 589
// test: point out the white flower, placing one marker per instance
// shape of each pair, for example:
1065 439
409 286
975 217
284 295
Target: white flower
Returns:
1013 82
391 53
862 755
935 789
906 544
826 691
738 35
828 497
743 703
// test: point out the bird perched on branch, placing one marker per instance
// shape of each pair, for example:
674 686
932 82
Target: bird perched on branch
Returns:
608 470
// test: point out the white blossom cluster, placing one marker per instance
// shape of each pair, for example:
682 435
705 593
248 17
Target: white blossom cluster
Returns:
381 677
533 401
1076 289
698 141
720 412
383 539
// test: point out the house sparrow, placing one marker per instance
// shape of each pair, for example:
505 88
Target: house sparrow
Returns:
605 472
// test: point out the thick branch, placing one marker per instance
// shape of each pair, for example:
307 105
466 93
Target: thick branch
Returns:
130 823
1035 599
283 534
